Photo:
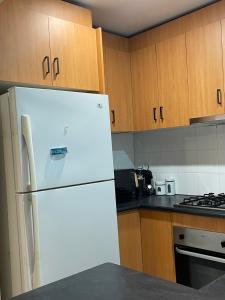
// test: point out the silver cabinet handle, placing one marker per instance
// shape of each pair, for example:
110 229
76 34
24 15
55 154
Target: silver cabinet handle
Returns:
199 255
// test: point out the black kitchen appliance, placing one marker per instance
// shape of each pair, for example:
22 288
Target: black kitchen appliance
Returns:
125 185
145 177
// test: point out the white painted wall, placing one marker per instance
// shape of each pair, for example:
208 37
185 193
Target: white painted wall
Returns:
195 157
123 150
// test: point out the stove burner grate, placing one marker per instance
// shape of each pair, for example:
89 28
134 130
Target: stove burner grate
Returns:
206 201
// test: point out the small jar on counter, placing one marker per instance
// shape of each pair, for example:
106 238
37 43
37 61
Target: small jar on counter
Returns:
170 187
160 188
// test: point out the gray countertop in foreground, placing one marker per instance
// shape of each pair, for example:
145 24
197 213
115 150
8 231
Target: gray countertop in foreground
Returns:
166 203
112 282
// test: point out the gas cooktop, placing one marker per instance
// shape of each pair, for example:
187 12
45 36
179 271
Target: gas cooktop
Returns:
208 201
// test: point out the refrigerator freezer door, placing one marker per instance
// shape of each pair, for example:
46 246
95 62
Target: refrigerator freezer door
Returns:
70 134
77 229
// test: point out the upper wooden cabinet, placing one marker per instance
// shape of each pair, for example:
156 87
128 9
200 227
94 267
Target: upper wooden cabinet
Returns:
172 81
159 79
144 83
205 70
24 50
118 81
39 49
74 55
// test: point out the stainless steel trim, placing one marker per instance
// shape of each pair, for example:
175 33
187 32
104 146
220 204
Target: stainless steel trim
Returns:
199 255
199 239
216 119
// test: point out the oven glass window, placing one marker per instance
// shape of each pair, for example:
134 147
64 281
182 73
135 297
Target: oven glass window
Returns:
197 272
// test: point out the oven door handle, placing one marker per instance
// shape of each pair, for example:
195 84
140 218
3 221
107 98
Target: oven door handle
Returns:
199 255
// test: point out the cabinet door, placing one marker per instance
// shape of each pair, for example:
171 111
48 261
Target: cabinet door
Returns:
172 81
118 81
24 49
157 244
205 71
74 55
130 240
144 84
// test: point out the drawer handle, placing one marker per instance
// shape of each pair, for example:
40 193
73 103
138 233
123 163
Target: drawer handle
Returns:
46 66
113 116
56 66
219 96
154 114
161 113
199 255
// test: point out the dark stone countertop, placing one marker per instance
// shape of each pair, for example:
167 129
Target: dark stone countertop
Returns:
166 203
110 282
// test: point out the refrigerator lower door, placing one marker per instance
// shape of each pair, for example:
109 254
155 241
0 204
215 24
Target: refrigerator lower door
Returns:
76 228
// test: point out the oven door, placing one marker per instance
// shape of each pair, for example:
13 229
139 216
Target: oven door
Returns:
196 267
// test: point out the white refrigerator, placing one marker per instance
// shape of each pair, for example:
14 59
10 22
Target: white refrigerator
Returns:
57 206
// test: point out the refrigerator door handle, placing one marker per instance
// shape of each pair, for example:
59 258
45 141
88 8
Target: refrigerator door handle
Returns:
27 134
36 253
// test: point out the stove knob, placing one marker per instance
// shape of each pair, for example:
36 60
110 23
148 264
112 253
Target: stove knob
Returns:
223 244
181 237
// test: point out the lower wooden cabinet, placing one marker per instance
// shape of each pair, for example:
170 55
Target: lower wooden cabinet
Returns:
146 242
130 240
157 244
146 239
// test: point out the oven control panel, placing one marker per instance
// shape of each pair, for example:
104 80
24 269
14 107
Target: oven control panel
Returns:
201 239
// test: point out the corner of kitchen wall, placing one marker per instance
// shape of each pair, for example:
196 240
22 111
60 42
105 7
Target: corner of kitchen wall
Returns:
123 150
194 156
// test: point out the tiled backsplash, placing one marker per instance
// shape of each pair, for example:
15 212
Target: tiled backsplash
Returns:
194 156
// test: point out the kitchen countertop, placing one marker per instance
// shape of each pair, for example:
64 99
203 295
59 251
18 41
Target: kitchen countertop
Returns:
166 203
109 281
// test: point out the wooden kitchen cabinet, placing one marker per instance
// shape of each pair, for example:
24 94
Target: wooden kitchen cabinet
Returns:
157 244
118 81
159 78
199 222
172 81
24 50
74 55
39 49
130 240
144 82
205 70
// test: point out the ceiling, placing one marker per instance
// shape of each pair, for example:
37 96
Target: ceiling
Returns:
127 17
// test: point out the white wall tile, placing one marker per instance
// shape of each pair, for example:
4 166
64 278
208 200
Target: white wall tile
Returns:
206 138
221 161
207 161
186 184
195 156
207 183
221 137
222 183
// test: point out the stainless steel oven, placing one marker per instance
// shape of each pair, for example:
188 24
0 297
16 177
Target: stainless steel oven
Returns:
199 256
